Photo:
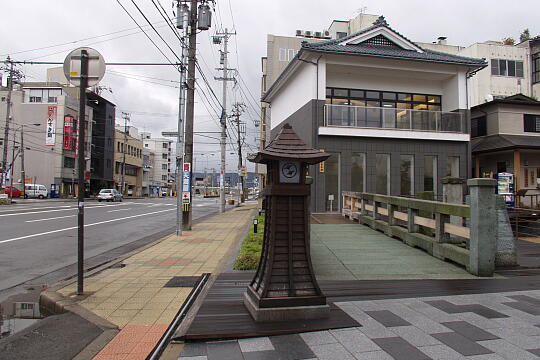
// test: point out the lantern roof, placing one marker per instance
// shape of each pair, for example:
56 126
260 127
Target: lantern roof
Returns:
288 146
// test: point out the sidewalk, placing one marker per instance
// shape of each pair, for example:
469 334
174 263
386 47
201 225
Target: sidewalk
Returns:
137 297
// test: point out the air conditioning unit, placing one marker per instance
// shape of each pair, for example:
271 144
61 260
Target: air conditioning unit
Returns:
299 33
308 34
318 34
326 34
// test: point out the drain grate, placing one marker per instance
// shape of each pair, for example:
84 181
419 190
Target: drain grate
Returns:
182 281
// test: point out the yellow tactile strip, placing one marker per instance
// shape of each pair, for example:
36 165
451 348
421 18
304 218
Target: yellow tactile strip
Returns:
134 295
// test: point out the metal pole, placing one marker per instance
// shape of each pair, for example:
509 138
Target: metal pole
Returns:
223 139
8 118
190 107
11 170
126 118
180 133
82 167
23 174
240 187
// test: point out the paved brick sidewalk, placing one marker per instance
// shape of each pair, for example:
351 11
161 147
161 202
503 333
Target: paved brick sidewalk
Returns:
481 327
134 297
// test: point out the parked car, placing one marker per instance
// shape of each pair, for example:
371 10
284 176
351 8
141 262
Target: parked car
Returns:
11 191
109 195
35 191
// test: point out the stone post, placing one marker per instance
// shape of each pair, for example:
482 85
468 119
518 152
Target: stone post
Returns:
453 194
506 243
483 225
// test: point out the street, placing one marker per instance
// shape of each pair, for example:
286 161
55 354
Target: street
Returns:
38 238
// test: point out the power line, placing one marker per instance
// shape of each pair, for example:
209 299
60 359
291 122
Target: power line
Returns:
148 36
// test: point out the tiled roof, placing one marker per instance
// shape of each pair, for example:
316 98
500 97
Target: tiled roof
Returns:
288 146
504 142
335 46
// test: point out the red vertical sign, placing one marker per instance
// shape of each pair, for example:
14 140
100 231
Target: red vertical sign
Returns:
68 132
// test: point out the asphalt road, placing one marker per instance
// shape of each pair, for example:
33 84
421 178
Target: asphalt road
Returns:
39 238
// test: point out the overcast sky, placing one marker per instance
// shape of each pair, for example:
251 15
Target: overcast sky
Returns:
153 105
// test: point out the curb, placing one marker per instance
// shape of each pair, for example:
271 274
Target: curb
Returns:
53 302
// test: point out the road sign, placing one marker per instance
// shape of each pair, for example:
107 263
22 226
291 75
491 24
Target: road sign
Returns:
72 66
186 197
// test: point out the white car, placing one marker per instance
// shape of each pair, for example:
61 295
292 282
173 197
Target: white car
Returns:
35 191
109 195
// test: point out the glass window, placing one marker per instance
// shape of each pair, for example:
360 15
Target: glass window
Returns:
36 95
478 126
373 114
502 68
419 98
282 54
494 67
511 68
164 177
535 67
341 93
357 94
290 54
382 173
430 173
358 171
403 117
373 95
331 182
165 146
389 96
164 156
406 175
452 166
69 162
531 123
434 99
404 97
164 166
53 95
519 68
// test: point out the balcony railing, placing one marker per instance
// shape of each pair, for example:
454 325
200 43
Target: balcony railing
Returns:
393 118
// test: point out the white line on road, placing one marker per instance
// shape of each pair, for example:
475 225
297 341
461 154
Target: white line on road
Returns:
39 208
54 218
118 210
70 208
87 225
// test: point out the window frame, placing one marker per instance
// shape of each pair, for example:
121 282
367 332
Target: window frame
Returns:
504 64
531 123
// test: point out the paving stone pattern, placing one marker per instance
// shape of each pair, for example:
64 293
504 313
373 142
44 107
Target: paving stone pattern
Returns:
479 327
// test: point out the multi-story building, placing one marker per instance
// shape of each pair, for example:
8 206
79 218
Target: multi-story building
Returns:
506 138
512 69
101 168
47 114
150 186
163 166
128 152
393 115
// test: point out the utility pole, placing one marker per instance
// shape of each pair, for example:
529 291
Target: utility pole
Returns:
238 109
82 167
183 18
13 75
23 174
223 60
125 116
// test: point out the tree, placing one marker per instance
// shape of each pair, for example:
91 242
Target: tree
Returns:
525 35
509 41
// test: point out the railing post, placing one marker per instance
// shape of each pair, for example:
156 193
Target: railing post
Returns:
411 226
374 215
440 220
362 206
391 221
483 225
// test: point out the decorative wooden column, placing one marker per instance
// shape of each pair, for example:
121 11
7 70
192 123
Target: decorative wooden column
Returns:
284 286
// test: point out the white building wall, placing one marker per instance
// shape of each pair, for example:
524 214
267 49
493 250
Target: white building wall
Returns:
483 84
298 90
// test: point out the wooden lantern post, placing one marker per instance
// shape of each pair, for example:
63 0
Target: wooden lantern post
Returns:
284 286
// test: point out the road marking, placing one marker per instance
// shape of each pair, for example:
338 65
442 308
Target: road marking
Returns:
38 208
87 225
70 208
118 210
54 218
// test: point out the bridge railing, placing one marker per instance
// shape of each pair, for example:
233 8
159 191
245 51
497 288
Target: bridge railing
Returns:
464 234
